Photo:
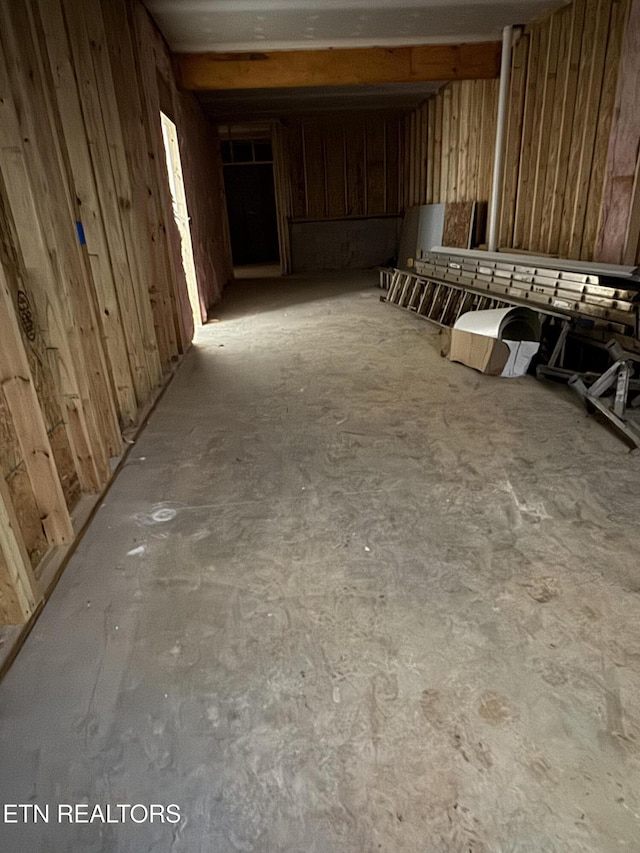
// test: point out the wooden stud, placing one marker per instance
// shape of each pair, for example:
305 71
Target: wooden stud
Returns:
475 165
437 150
446 143
113 321
38 228
529 127
31 430
513 141
535 129
431 133
563 125
539 222
454 143
463 141
19 595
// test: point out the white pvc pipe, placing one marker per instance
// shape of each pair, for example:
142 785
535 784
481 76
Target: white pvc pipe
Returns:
498 155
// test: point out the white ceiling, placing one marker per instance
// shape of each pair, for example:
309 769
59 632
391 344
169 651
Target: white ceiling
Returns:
249 25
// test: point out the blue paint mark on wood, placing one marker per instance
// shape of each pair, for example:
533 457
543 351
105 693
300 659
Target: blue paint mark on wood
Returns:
81 237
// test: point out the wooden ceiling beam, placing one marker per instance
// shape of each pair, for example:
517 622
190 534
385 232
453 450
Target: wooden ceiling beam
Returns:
338 66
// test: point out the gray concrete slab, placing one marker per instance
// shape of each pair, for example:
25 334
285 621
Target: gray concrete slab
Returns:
344 596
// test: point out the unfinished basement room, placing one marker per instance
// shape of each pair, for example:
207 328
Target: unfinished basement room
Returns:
319 426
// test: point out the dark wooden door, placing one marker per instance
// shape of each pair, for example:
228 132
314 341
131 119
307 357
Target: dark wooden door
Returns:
251 206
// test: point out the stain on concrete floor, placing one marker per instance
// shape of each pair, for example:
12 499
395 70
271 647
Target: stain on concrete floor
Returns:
345 596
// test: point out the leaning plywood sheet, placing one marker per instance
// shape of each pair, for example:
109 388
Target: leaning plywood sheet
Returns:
458 224
422 229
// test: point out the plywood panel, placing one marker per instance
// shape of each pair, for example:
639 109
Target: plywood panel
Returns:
458 224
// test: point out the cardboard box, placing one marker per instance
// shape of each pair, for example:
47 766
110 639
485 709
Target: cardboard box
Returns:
498 341
491 356
488 355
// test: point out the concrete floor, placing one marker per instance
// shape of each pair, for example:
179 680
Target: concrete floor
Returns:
344 596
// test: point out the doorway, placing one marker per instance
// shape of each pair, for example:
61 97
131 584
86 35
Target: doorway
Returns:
180 213
251 201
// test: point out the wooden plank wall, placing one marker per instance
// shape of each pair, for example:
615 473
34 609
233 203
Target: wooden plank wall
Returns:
619 238
284 200
93 304
202 172
448 147
343 166
563 87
